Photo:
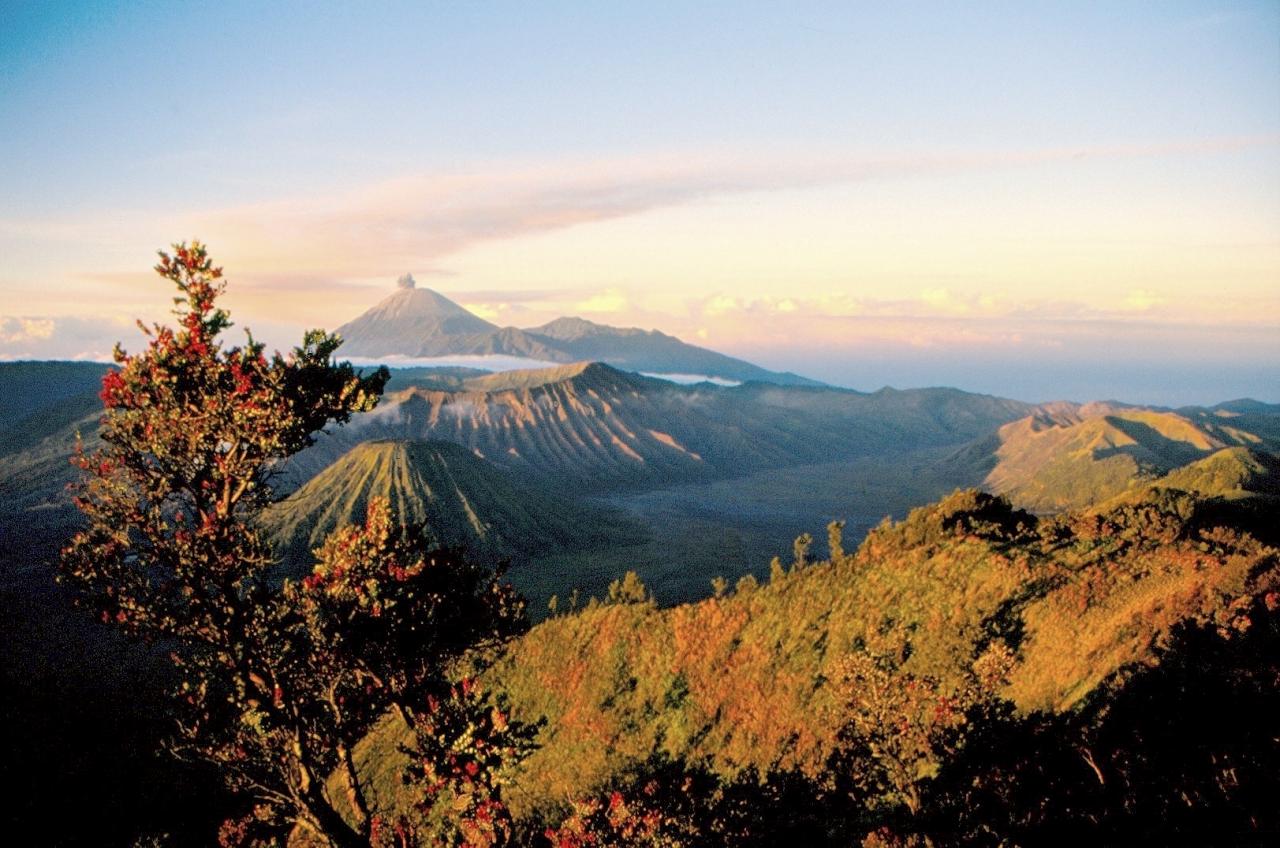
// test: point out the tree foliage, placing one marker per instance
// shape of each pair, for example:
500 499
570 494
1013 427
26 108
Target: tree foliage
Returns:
901 728
629 589
278 683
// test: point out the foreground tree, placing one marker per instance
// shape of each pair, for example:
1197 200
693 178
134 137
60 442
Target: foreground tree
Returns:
278 683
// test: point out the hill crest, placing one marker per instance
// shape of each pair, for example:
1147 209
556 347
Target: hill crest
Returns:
1065 456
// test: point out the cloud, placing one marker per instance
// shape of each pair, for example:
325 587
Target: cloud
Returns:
518 296
244 282
325 253
1137 305
720 304
20 330
413 220
691 379
46 337
487 311
608 301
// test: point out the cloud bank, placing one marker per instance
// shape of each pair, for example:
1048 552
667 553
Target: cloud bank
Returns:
415 220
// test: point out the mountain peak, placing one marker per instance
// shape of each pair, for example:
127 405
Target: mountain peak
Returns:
532 378
411 302
412 322
575 329
417 322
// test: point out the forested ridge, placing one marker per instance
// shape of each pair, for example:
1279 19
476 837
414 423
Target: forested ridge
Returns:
1140 645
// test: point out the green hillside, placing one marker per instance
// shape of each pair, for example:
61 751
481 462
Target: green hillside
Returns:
1229 473
1065 456
748 680
460 498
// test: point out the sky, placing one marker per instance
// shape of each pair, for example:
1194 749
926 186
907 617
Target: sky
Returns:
1035 200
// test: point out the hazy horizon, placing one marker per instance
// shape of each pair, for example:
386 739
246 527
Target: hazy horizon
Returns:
1134 381
1057 202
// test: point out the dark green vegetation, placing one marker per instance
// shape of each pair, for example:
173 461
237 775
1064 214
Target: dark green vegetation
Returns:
417 322
460 498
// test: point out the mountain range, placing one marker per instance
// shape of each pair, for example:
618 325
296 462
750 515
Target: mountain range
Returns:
593 429
602 429
417 323
1065 456
546 466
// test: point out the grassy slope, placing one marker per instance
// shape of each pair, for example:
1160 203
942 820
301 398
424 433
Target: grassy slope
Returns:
745 679
1067 458
462 500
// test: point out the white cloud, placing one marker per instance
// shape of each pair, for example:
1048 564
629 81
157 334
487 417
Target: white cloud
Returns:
17 330
720 304
414 219
604 302
62 337
487 311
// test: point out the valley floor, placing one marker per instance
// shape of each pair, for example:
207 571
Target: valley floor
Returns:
731 528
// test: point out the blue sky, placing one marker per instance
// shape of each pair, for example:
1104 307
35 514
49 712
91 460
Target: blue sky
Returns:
930 188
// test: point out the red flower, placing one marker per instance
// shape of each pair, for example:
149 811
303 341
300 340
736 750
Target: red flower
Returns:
112 386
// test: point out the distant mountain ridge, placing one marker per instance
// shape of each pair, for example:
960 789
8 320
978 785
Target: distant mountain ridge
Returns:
414 322
597 427
1066 456
601 429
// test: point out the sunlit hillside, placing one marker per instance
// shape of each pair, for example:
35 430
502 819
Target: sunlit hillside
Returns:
1066 456
747 680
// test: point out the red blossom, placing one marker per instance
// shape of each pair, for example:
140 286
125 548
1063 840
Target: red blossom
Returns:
112 388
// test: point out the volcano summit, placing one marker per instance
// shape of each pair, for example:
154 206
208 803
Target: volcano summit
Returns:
421 323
